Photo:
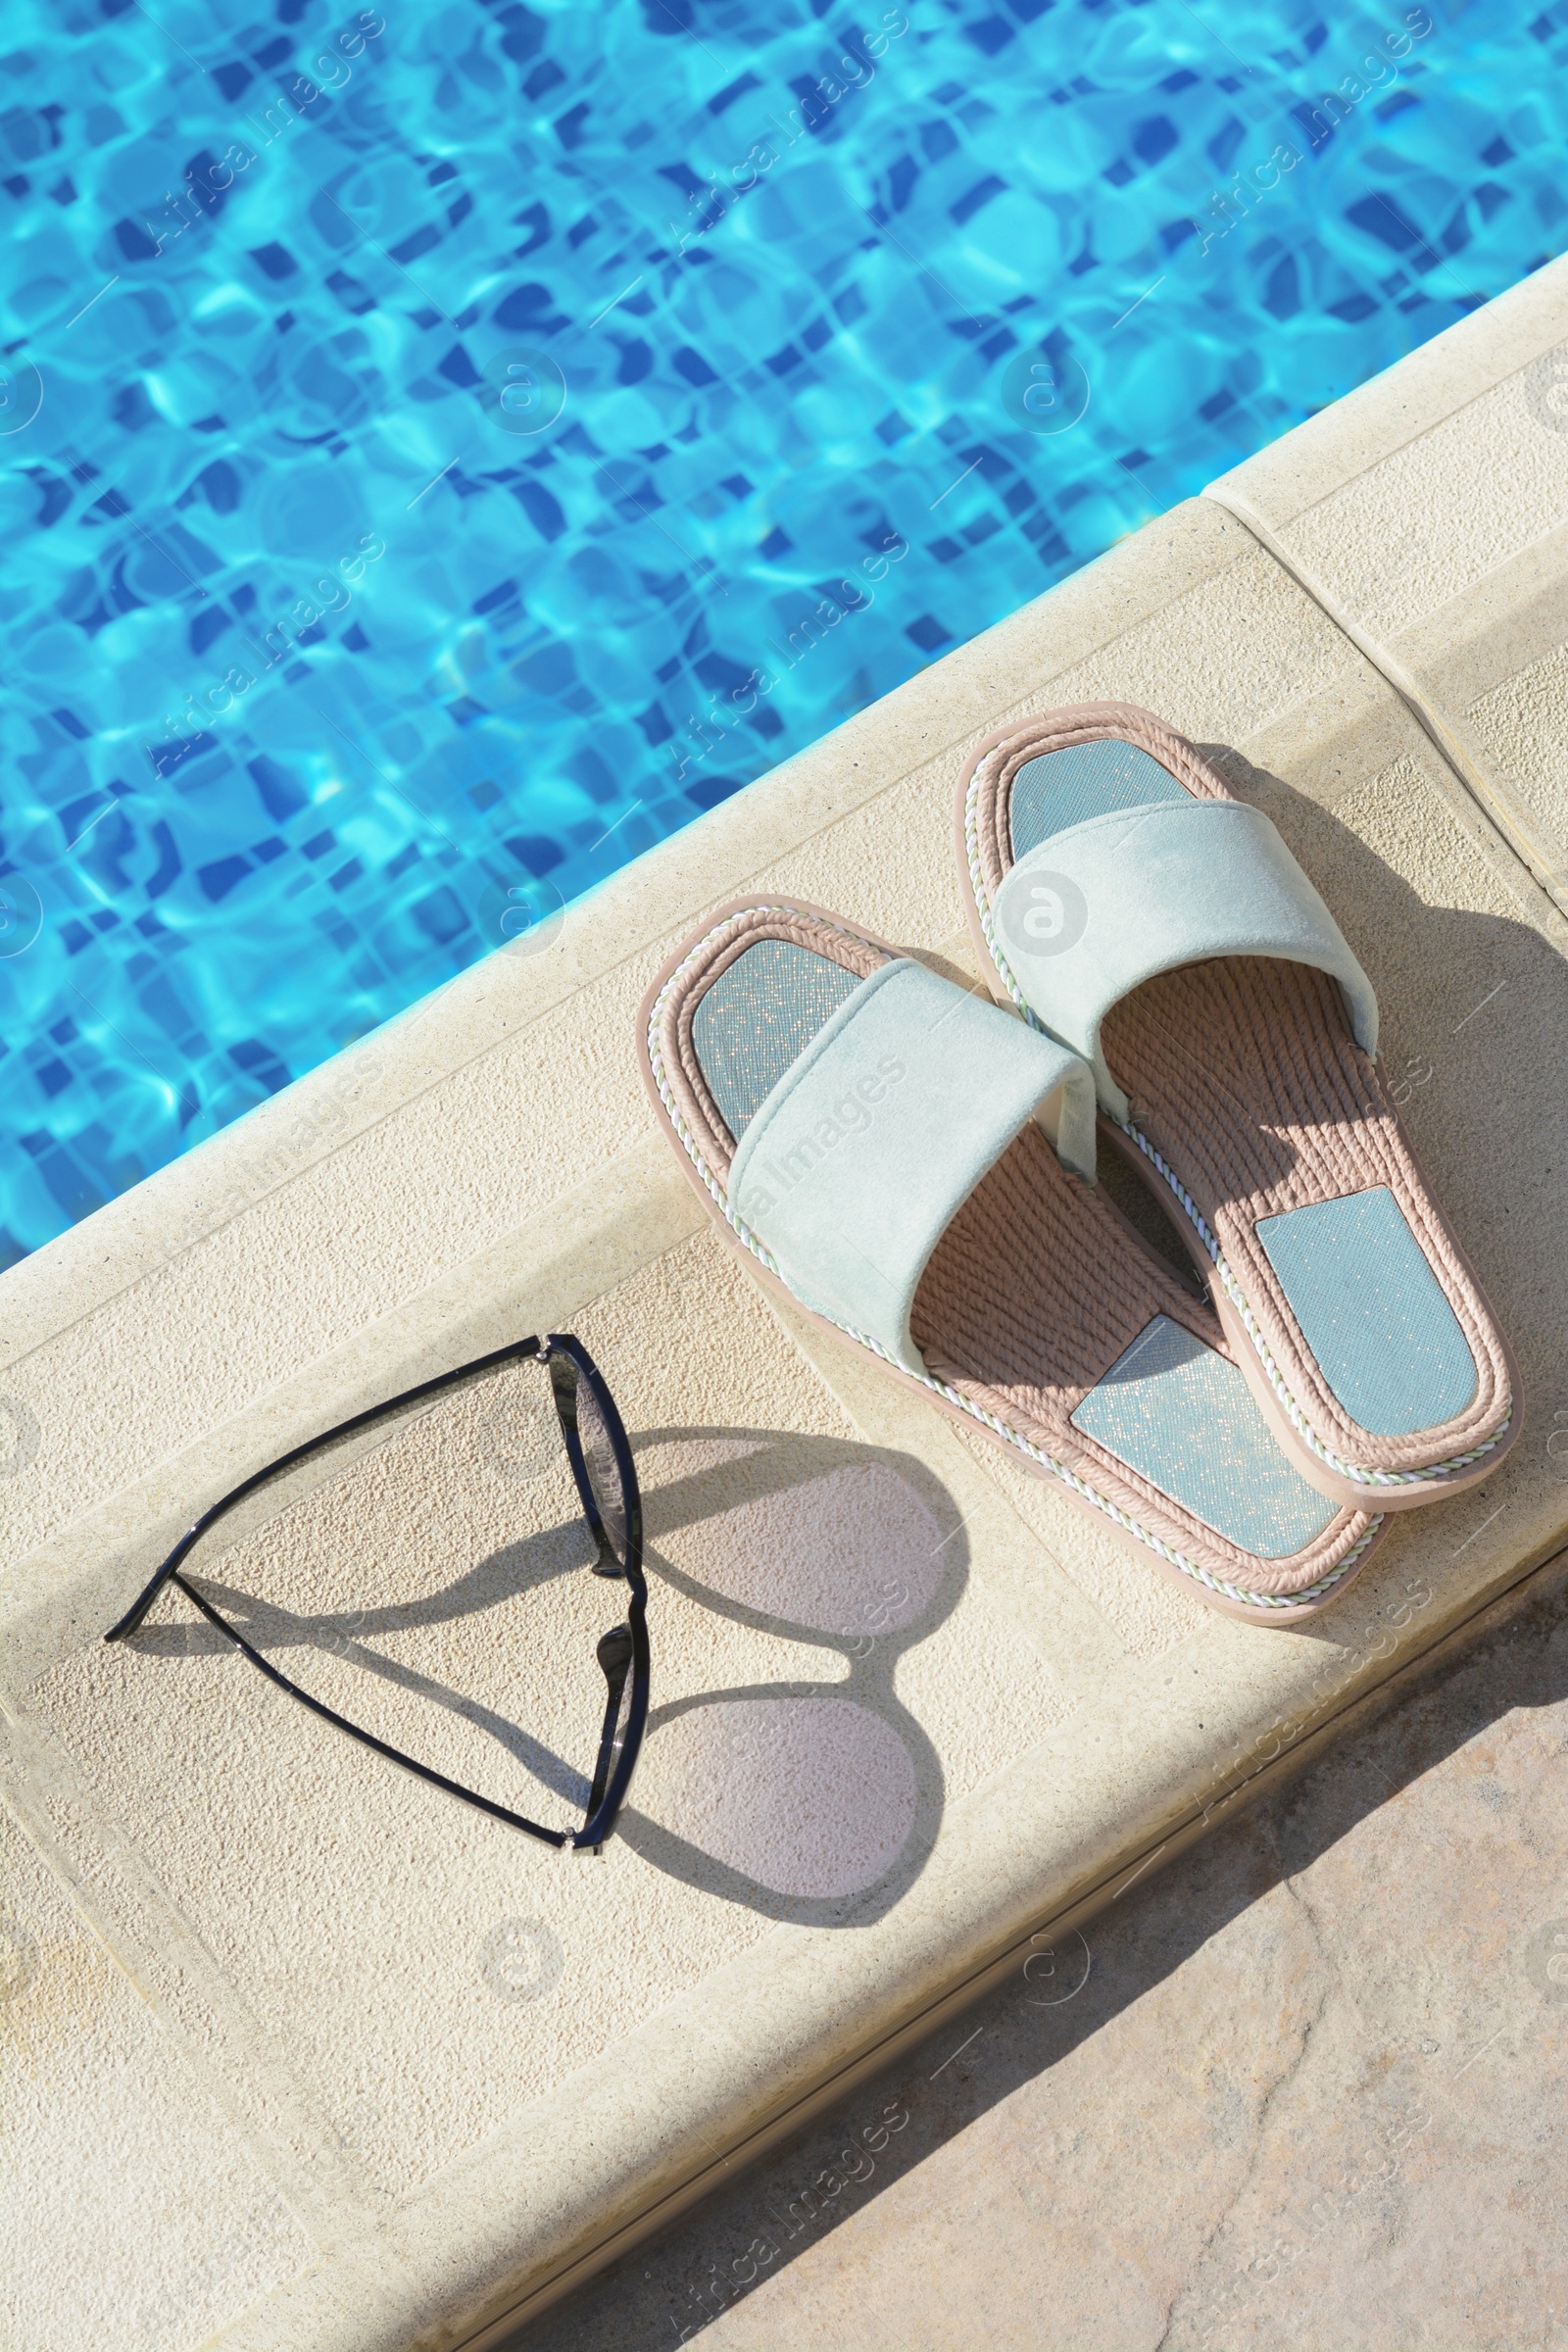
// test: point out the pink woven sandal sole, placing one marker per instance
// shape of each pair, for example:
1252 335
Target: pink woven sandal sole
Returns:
1248 1098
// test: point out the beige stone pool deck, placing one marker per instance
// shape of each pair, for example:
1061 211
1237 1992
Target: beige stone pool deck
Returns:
1305 2090
299 2055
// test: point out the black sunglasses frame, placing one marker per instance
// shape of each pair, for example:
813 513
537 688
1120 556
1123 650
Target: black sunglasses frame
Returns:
623 1654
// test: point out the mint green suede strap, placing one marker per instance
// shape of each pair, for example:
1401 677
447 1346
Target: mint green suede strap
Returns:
854 1164
1106 905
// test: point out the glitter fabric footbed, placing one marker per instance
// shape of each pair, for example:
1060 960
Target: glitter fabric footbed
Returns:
444 449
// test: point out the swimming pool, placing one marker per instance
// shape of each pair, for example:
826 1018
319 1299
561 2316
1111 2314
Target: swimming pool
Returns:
445 448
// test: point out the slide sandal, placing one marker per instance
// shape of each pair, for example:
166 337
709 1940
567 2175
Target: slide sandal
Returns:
1125 901
914 1168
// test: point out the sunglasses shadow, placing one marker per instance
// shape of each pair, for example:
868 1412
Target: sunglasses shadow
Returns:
812 1801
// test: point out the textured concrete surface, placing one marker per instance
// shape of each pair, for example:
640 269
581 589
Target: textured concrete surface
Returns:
1307 2088
910 1706
176 2220
1430 510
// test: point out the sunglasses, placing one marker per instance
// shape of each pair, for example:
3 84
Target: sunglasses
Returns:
606 1489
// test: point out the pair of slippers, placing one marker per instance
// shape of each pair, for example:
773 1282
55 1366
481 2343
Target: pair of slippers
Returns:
917 1168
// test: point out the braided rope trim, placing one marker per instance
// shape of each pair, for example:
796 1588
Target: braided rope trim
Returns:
1282 1605
1355 1471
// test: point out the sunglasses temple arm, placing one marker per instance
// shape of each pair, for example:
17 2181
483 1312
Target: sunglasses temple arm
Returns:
139 1608
422 1772
169 1573
517 1350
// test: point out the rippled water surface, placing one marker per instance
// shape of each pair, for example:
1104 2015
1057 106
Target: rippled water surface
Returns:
443 450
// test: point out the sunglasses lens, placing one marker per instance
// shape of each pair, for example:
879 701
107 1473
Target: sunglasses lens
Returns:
604 1472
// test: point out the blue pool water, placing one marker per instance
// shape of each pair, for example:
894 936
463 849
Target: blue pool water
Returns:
443 449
